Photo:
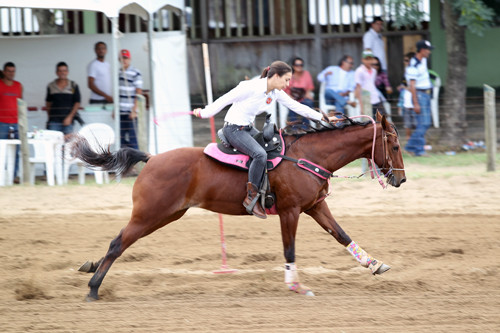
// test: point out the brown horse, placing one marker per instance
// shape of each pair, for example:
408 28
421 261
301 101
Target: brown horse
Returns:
174 181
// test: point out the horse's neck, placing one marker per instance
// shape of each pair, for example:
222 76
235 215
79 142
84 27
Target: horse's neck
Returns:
337 148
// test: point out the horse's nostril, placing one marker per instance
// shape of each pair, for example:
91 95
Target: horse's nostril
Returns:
403 180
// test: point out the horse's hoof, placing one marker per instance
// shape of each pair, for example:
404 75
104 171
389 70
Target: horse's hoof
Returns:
300 289
85 267
309 293
382 269
91 298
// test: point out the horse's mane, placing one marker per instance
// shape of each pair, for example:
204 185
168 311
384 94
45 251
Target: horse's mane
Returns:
296 128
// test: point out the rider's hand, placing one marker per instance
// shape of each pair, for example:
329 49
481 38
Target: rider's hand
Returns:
196 112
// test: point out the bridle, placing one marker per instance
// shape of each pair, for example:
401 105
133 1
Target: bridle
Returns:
385 151
325 174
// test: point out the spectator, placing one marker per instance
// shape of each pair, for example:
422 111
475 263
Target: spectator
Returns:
62 101
10 91
420 87
300 89
339 82
99 77
130 81
365 76
405 106
372 39
382 81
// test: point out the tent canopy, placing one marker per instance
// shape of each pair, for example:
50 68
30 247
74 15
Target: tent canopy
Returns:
111 8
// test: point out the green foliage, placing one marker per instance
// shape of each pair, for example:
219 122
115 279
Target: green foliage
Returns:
405 12
474 14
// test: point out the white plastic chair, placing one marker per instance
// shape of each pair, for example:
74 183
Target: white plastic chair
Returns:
48 151
97 135
324 106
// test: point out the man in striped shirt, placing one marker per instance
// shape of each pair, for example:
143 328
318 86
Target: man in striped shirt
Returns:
130 80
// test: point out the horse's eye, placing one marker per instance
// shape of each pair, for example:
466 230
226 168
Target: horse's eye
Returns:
395 148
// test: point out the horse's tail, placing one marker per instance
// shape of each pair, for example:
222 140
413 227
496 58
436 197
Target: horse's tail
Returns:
120 161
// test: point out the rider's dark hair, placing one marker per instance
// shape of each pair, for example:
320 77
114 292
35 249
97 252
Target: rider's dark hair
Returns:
277 67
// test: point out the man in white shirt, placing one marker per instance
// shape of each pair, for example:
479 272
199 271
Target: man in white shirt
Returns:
372 39
99 77
420 86
339 82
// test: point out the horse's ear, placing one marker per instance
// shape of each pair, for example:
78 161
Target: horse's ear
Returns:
379 116
385 123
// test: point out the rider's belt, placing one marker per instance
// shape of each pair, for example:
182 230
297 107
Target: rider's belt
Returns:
427 91
241 126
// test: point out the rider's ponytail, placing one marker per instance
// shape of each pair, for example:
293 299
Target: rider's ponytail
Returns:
277 67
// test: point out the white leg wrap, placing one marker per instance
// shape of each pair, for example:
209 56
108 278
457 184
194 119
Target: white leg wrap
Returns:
292 281
291 274
363 258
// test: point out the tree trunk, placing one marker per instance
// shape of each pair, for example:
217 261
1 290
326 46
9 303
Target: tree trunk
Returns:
453 108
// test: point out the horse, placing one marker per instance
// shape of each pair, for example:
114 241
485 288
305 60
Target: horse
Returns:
174 181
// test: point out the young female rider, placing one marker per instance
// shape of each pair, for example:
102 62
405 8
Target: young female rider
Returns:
248 99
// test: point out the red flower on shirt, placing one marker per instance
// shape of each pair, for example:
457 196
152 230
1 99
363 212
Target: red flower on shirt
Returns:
269 100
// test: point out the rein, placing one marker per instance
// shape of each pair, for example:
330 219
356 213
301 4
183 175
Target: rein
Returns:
325 174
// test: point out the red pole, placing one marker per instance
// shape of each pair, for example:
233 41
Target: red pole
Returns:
208 81
212 128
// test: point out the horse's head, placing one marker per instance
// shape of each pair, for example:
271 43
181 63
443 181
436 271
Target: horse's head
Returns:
390 157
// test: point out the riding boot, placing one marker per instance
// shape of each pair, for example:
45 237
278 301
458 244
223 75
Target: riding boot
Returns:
252 192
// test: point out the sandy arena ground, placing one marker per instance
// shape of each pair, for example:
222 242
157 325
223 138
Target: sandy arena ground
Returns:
439 232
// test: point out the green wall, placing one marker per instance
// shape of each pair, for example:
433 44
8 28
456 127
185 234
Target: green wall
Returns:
482 52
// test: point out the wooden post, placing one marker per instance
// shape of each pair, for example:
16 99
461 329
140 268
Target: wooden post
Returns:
22 114
490 127
367 111
142 126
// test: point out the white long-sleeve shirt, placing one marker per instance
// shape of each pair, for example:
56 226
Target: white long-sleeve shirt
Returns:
373 40
249 99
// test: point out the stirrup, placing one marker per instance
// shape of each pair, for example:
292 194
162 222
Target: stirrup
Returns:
252 204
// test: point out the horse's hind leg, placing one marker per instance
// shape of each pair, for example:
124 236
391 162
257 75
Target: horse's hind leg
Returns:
322 215
116 248
128 236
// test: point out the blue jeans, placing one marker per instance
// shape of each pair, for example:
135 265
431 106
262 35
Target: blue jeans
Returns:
337 99
241 138
416 142
53 126
4 134
127 126
293 116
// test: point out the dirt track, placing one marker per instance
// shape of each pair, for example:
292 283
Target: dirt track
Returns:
439 234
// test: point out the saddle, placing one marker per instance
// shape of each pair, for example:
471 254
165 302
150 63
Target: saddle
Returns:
270 139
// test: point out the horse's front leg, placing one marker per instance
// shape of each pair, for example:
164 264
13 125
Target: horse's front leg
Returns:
289 222
322 215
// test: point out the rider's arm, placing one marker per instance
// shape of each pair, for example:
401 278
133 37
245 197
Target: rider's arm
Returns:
234 95
295 106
